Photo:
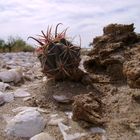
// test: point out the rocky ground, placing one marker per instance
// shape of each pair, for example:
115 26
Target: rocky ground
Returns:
33 107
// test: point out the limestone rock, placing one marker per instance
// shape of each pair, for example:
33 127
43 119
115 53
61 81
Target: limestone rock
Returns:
26 124
13 75
8 97
21 93
62 99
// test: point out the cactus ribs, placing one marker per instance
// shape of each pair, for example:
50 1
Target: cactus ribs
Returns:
58 56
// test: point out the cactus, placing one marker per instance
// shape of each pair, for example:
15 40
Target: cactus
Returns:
58 56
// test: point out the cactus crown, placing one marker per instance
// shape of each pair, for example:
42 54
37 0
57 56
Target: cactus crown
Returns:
57 55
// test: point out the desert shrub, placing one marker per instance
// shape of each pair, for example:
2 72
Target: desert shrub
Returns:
15 44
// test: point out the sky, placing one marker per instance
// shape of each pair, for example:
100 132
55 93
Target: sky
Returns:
83 17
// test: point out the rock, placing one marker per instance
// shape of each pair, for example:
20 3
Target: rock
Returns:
13 75
97 130
62 99
25 124
87 107
116 54
42 136
2 101
131 70
118 29
54 120
8 97
21 93
4 86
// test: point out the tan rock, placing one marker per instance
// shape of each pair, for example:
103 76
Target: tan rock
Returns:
88 108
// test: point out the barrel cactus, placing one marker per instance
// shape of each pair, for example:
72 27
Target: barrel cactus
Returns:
58 56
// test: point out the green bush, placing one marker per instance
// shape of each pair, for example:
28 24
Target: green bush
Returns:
15 45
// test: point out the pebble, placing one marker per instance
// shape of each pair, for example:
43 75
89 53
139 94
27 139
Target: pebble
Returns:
62 99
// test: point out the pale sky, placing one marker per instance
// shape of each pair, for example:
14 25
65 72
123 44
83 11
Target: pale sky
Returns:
84 17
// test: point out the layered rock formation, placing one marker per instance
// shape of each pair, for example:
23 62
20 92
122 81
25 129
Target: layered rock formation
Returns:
116 54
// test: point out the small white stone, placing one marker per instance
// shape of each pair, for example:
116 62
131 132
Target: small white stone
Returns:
61 98
44 79
21 93
97 130
69 114
26 124
42 136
